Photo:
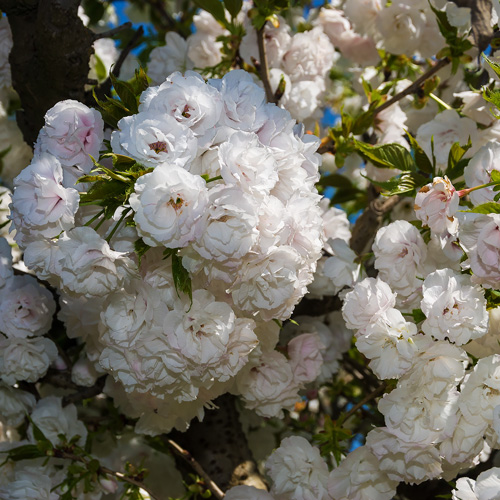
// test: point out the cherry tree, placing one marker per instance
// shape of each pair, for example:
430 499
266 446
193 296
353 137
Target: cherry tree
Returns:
249 249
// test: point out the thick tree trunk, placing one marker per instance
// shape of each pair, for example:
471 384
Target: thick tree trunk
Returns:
50 57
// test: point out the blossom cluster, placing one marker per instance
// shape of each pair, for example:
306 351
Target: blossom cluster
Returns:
227 187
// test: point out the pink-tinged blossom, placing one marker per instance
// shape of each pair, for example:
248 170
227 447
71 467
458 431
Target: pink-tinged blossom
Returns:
26 308
266 385
188 99
25 359
53 419
72 133
479 170
443 131
400 253
484 255
14 405
247 493
391 343
306 359
455 309
367 302
153 138
298 471
173 56
436 204
358 477
412 463
168 204
41 205
86 265
244 102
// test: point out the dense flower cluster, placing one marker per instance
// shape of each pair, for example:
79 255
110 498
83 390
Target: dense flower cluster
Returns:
174 248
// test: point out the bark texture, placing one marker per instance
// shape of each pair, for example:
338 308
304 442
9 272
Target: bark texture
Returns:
50 57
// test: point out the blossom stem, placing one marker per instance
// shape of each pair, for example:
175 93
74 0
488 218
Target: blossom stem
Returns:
379 390
464 192
187 457
415 85
212 179
263 65
439 101
117 225
88 223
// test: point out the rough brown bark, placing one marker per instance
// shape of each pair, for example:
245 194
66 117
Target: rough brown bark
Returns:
220 446
50 57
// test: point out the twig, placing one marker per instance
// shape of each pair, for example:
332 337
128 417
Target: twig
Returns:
159 7
263 65
105 88
415 85
125 52
123 477
112 32
85 392
379 390
186 456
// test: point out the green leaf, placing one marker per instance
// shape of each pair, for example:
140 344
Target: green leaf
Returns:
418 315
387 156
126 94
25 452
233 7
492 96
112 110
182 280
140 82
421 159
329 439
100 69
101 191
214 7
335 180
486 208
495 176
456 153
140 248
493 65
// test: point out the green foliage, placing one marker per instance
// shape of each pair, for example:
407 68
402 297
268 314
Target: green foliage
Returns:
456 161
387 156
182 280
332 439
266 10
486 208
457 46
113 110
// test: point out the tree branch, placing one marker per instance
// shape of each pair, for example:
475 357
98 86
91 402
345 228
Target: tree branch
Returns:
189 459
369 222
112 32
415 86
379 390
51 44
263 65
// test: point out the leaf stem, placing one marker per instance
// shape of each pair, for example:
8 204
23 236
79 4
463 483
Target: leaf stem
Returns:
117 225
88 223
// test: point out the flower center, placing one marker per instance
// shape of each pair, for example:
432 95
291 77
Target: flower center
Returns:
158 147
